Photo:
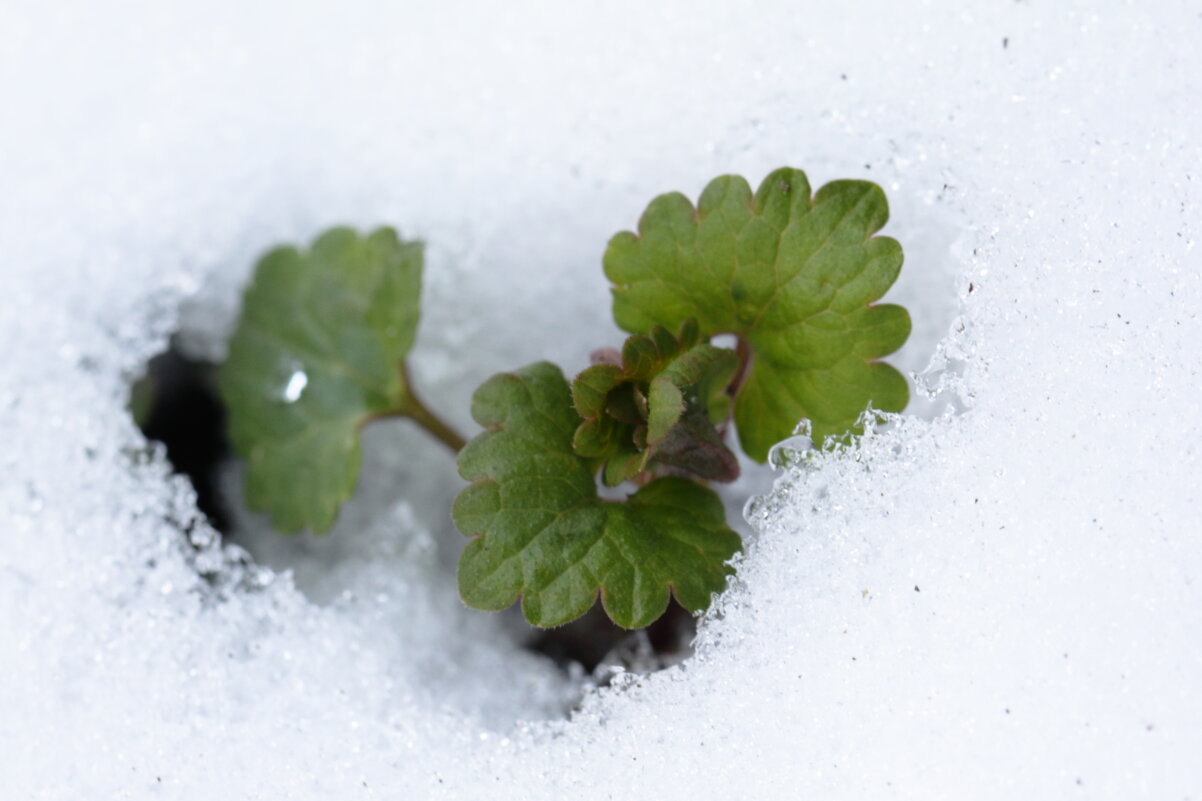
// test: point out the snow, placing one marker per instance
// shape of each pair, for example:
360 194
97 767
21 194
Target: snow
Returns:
997 596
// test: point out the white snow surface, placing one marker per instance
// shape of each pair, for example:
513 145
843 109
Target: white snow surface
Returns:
999 595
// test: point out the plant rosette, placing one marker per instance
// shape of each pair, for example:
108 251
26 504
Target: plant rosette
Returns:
320 351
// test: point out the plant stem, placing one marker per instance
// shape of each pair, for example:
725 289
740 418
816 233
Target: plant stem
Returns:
743 351
411 406
421 414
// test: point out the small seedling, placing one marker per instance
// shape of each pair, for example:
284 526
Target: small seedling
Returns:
321 346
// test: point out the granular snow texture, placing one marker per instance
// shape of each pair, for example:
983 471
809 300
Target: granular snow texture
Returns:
998 595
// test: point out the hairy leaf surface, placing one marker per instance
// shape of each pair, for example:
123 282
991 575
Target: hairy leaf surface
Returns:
542 534
790 273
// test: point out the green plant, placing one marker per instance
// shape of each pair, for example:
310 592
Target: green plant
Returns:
320 351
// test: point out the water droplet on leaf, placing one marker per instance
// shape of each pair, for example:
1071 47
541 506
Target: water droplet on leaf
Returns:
295 386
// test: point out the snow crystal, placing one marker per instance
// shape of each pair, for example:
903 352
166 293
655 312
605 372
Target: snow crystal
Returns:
995 596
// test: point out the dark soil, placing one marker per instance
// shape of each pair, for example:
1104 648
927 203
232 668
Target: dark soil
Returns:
589 639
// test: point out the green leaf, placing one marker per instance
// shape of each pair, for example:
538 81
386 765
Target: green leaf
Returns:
791 274
318 352
665 405
626 464
592 387
542 534
597 439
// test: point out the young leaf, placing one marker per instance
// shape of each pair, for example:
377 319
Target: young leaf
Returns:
789 273
659 405
542 534
319 350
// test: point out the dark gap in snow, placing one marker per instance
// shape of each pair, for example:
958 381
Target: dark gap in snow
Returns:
594 639
182 410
